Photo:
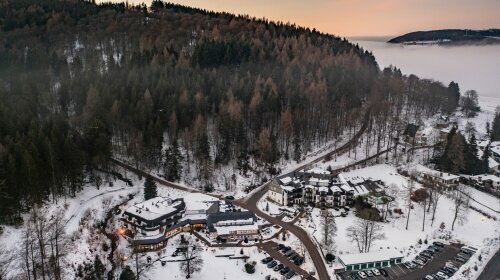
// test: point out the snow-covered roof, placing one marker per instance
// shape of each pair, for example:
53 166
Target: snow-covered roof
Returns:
492 163
198 201
286 180
318 170
360 190
483 143
355 180
336 189
154 208
347 188
370 257
495 149
288 188
487 177
248 221
323 189
225 230
443 175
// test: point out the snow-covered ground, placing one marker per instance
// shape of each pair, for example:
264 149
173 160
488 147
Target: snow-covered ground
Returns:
477 230
213 267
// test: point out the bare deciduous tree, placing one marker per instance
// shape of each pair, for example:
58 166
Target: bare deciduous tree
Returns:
460 205
364 233
7 258
190 258
329 229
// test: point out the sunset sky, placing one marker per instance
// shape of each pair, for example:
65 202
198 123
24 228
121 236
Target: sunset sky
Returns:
364 17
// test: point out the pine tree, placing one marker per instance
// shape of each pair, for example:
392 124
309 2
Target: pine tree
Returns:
172 164
149 189
495 128
472 164
99 268
127 274
485 160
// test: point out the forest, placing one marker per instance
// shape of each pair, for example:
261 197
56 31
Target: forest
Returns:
182 90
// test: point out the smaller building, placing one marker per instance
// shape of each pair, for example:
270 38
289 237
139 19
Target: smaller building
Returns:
353 262
487 180
233 226
448 180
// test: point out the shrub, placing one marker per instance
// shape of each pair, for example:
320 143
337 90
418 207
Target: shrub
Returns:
330 257
250 268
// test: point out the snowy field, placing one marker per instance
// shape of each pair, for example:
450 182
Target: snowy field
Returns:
213 267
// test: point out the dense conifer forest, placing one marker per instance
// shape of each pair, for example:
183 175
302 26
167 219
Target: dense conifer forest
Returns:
179 88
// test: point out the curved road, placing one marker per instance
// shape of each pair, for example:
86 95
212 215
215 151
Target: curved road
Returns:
250 202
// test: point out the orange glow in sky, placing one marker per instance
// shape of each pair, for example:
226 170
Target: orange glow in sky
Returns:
364 17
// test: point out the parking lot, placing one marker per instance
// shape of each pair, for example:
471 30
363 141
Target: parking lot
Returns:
401 272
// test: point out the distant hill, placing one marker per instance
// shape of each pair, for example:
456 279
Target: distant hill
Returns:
450 36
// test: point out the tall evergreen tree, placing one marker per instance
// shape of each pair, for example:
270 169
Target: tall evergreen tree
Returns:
149 189
495 128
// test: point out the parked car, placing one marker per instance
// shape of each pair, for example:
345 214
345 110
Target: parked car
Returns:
290 274
384 272
299 261
451 266
229 197
437 243
278 267
428 277
289 253
362 274
449 270
266 260
284 271
430 252
376 272
442 275
464 256
409 265
425 255
459 259
343 214
272 264
286 249
369 273
280 247
418 262
436 248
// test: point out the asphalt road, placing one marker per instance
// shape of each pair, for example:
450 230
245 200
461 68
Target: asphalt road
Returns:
492 269
317 258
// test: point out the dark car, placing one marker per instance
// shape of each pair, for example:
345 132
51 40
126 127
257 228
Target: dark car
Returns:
289 253
290 274
285 270
272 264
278 267
229 197
280 247
299 261
286 249
266 260
425 255
437 243
383 272
430 252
